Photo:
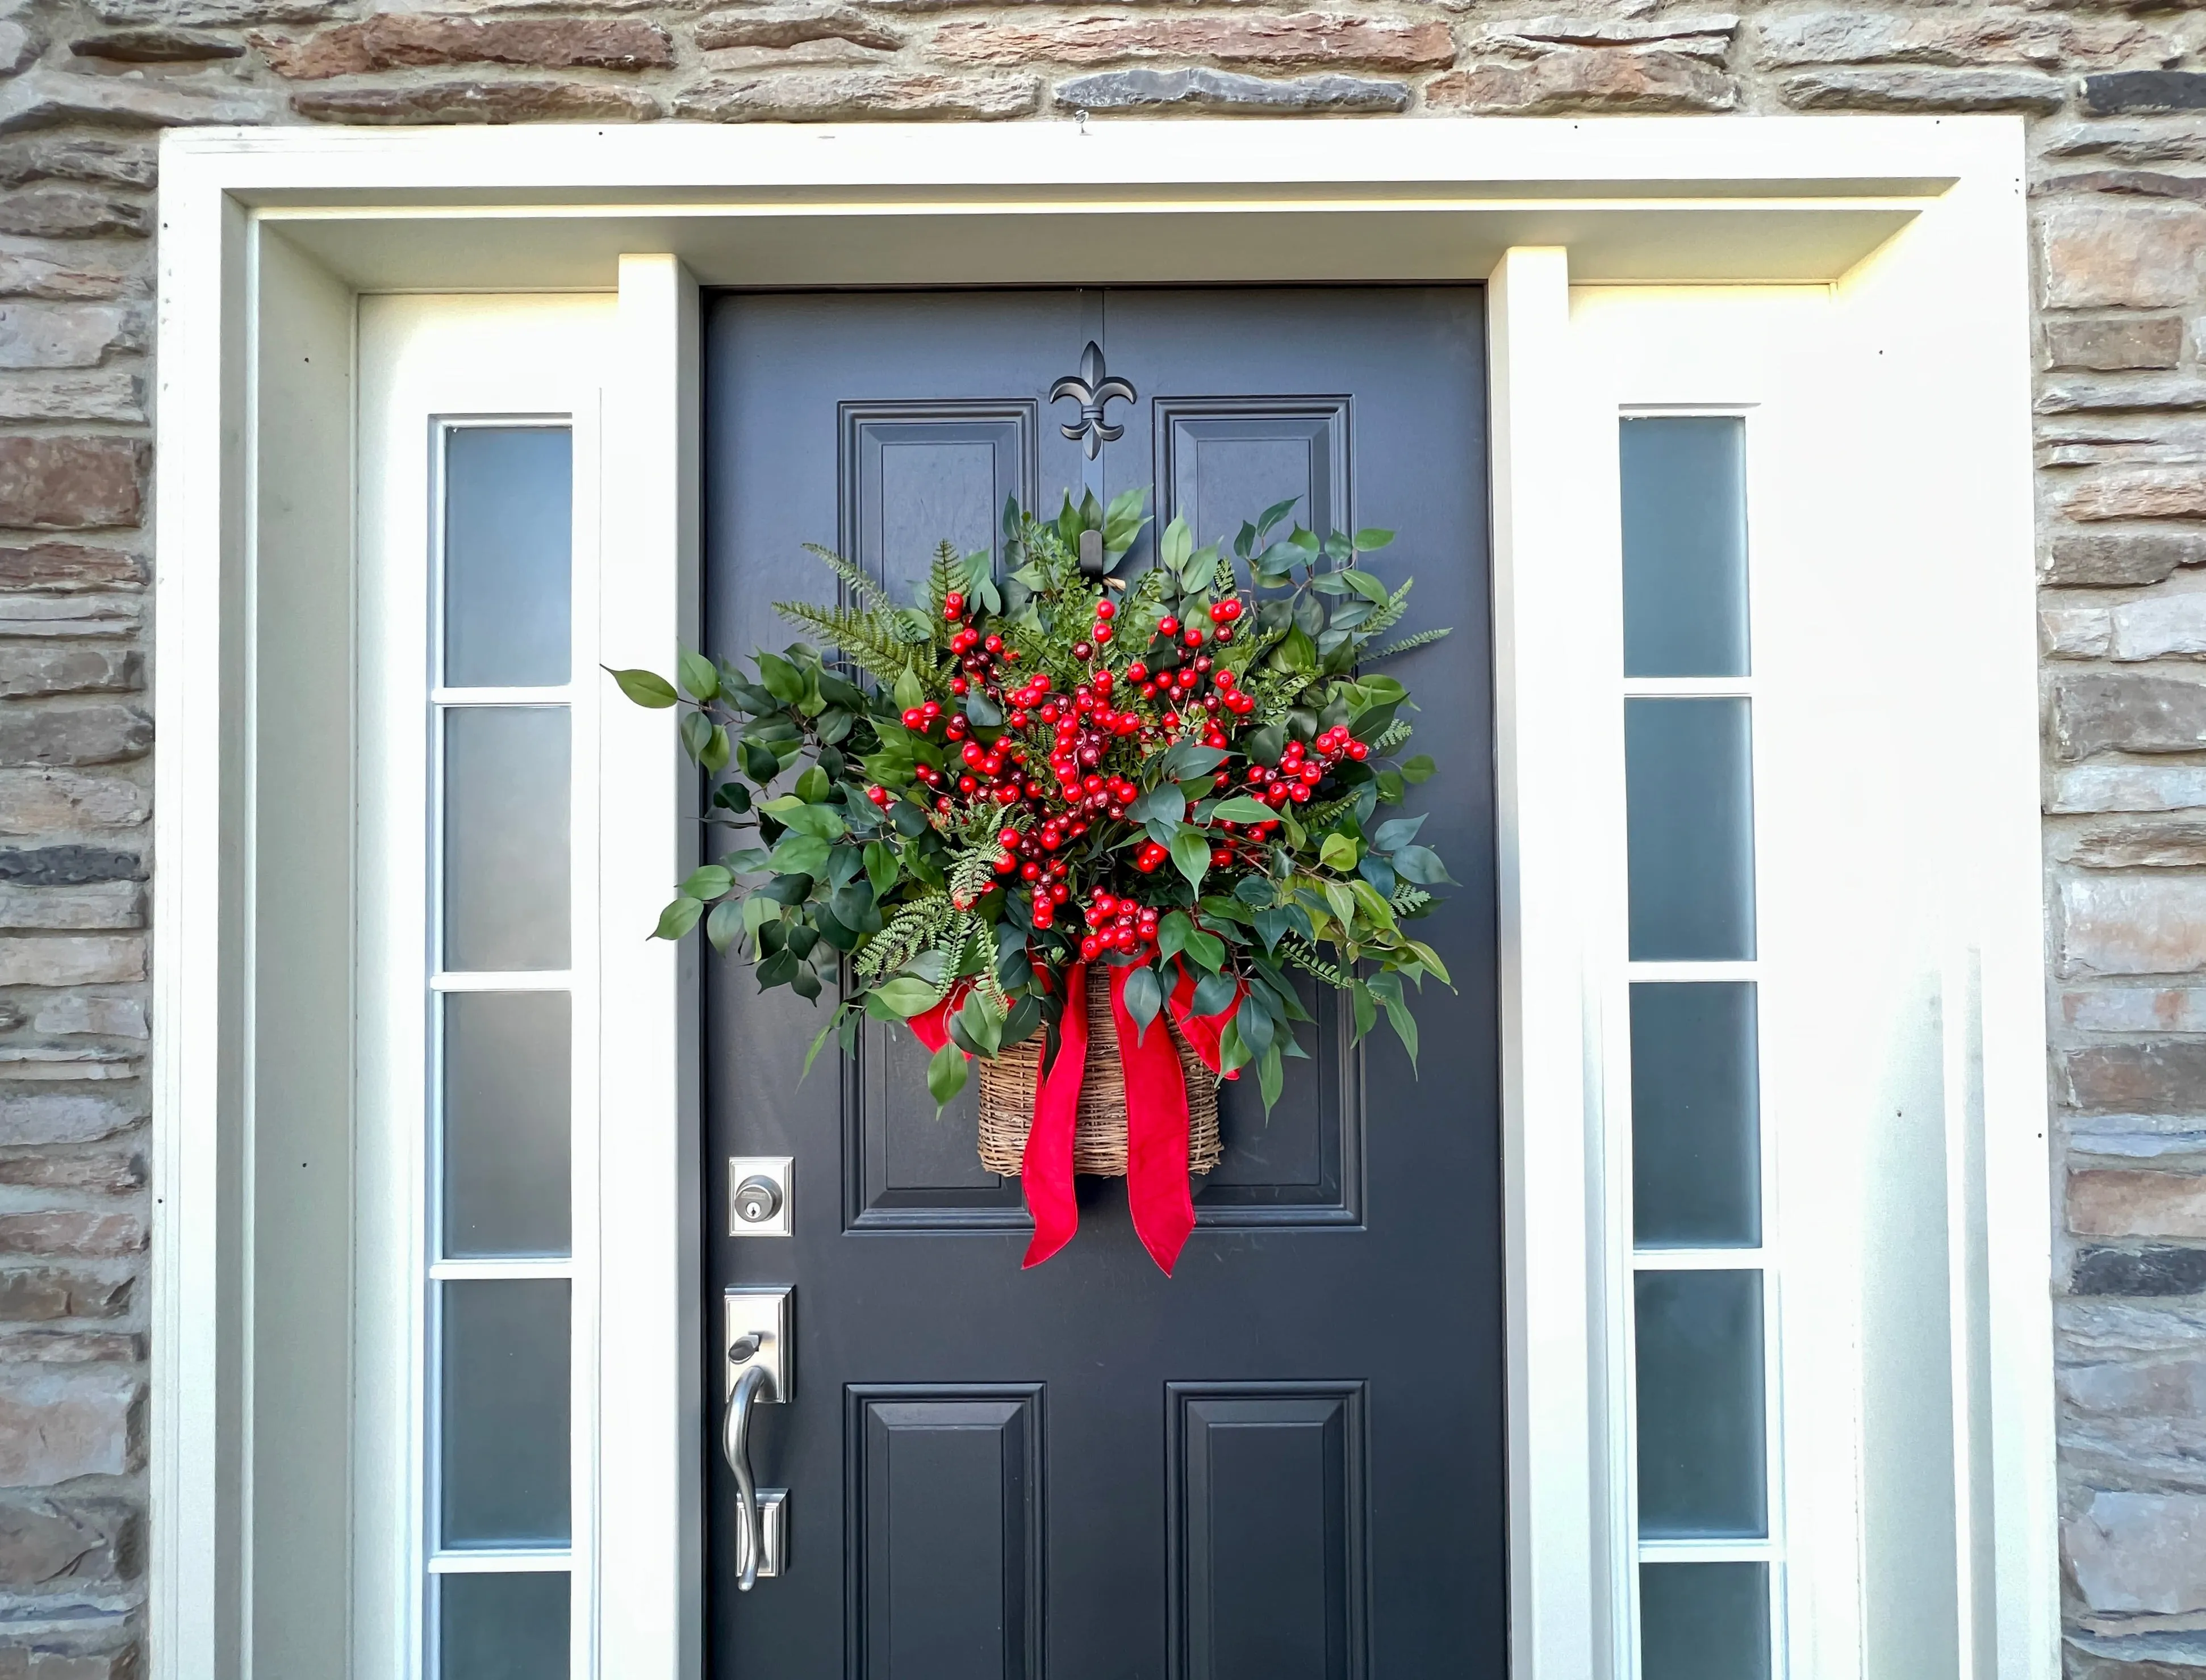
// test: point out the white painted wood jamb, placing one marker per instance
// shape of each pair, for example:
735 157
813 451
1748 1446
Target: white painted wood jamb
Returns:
651 1521
1558 1601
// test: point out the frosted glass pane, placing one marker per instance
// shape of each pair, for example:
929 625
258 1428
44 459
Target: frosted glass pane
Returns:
1696 1121
504 1412
505 837
1689 806
1704 1622
509 537
1684 547
506 1115
503 1627
1701 1436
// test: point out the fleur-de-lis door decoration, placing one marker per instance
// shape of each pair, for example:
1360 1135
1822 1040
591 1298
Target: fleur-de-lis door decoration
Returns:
1091 387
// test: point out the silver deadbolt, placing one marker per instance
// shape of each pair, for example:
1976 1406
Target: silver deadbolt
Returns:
758 1195
757 1199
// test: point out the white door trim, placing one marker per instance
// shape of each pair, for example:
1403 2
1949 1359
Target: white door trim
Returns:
268 235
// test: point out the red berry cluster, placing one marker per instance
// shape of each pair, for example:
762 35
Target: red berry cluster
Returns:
977 655
1046 876
1117 924
1301 769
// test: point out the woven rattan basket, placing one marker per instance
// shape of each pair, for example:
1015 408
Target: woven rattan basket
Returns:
1099 1136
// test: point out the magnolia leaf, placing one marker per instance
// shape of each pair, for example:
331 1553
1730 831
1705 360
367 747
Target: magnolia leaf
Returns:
800 855
1422 865
1381 874
1144 998
1207 949
1174 547
906 996
1213 993
699 677
946 1075
1337 851
1399 832
1241 809
732 796
708 882
645 688
1172 933
760 763
696 733
678 918
1199 570
1191 853
1366 586
1272 514
1426 955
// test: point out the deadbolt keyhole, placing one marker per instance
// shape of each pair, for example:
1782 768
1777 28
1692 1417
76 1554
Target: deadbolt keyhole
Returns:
757 1199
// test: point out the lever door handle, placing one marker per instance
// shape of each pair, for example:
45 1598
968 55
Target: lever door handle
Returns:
754 1384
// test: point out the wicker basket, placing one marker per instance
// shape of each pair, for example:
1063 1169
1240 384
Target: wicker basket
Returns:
1099 1134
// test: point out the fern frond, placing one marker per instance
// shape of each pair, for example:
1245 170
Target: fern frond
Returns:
1389 616
869 641
865 594
974 873
1409 900
1298 955
910 932
1397 735
1423 639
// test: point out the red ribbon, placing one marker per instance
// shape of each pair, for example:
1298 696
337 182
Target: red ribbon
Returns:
1156 1113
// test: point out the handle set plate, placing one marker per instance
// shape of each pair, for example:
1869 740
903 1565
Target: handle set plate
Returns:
761 1371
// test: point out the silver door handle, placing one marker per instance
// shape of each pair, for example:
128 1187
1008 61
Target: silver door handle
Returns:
735 1441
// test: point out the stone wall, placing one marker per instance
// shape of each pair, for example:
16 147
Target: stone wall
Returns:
2119 126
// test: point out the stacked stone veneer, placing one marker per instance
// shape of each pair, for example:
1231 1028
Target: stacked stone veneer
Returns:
2116 99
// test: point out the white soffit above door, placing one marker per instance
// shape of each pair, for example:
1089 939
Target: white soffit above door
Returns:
1637 200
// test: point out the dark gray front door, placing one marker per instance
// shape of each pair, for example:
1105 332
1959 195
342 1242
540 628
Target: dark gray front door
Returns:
1286 1461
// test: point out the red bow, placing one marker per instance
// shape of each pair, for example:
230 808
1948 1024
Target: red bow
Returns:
1156 1113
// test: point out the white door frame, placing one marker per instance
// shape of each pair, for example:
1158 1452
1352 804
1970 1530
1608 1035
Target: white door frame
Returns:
267 236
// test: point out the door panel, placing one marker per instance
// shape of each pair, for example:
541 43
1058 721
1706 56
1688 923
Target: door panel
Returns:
1287 1460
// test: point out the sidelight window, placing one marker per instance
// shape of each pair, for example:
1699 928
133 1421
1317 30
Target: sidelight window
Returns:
1699 1312
499 1300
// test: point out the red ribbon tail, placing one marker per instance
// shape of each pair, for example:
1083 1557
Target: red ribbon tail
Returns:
1203 1032
1156 1132
1046 1166
931 1026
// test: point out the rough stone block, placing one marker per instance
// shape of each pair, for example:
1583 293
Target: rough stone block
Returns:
2103 1202
51 1062
2122 926
156 46
782 26
71 1234
2139 1552
2100 396
91 1012
2158 1076
70 671
826 97
97 157
62 272
1908 90
1227 94
60 566
68 866
2074 632
1567 78
2095 559
2132 1009
2162 1270
476 102
2110 343
91 959
2051 42
108 1173
42 1541
2161 627
212 13
1702 35
2123 92
58 1425
40 1295
53 1116
47 99
71 484
115 396
74 212
2159 492
400 41
2128 710
2178 845
2099 252
1263 40
38 802
105 904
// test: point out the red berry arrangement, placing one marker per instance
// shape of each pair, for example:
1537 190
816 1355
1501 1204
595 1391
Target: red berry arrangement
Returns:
1177 772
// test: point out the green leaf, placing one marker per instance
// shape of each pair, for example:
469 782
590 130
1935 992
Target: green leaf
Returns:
1212 992
1338 851
813 787
760 763
1431 958
981 1022
1254 1022
1366 1008
946 1075
699 678
732 796
1144 998
1297 653
1173 934
910 691
709 882
880 868
906 996
1191 758
1368 587
1200 569
714 755
1190 855
822 822
782 679
1272 514
1422 865
1270 1078
1207 949
800 855
1397 832
645 688
778 969
678 918
818 1043
1371 537
1267 745
696 733
981 709
1163 803
1175 545
724 924
1241 809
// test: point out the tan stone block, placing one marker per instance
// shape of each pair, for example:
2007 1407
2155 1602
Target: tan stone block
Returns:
110 159
40 1295
2121 925
1586 79
1239 38
2129 712
2098 252
66 669
2105 1202
48 1540
2074 632
41 801
2158 492
2108 344
66 211
476 102
58 1425
2097 558
91 959
795 26
2050 41
824 97
400 41
1912 90
106 1172
2139 1552
115 396
2136 1008
69 566
2159 1076
46 99
49 1118
60 272
71 484
2176 845
98 904
93 1012
71 1234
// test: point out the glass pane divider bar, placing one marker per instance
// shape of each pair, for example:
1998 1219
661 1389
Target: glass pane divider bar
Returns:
504 979
1688 687
500 1270
1725 1551
1702 1260
548 1561
1745 969
560 695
